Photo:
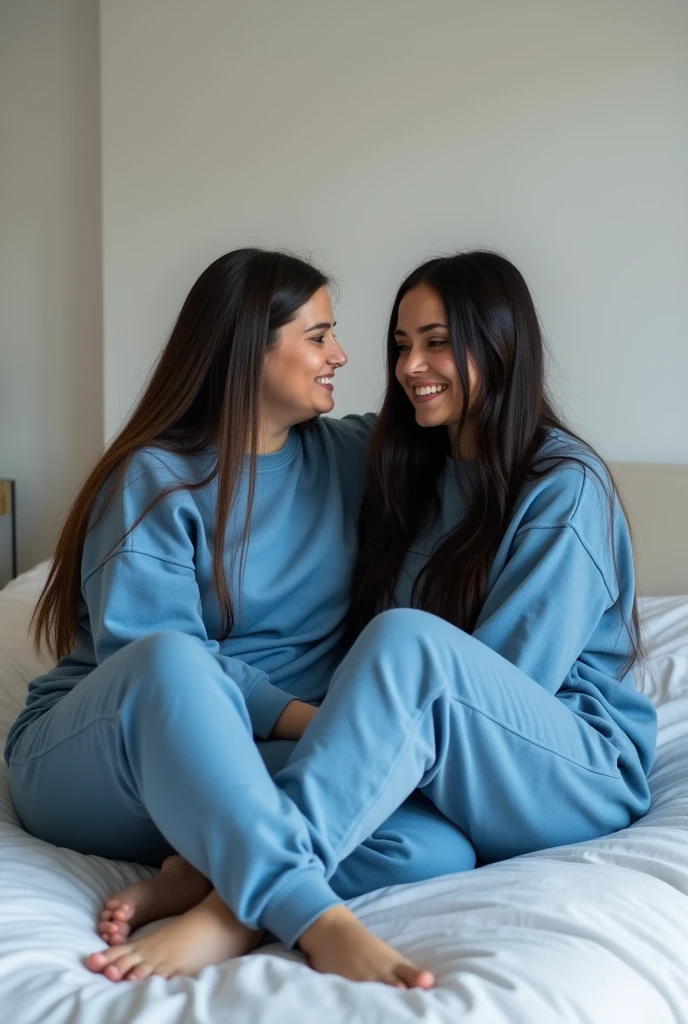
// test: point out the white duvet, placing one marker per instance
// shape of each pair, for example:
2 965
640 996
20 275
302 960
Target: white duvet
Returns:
594 933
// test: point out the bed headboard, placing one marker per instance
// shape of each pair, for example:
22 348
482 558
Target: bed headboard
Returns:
656 499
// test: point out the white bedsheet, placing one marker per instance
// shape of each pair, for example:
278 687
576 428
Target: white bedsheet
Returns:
593 934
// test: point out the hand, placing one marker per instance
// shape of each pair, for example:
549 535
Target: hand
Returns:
293 721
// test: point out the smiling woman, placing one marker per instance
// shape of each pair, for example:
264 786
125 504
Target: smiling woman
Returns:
494 610
198 601
299 372
426 367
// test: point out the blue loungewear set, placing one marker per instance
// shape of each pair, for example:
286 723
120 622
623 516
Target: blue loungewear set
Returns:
433 748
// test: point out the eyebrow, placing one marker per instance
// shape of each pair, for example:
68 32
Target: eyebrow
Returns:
423 329
320 327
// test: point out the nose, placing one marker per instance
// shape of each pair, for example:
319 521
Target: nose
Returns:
338 356
415 362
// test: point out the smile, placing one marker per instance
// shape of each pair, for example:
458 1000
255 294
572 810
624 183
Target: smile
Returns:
325 382
429 391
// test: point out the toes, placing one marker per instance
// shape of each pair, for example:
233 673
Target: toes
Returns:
123 912
116 928
173 861
118 970
101 962
425 979
139 973
96 962
413 977
113 932
117 910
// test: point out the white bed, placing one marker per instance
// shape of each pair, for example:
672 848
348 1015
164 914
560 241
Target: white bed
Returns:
594 933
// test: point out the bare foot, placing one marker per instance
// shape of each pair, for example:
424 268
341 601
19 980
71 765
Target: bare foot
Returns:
337 943
207 934
177 888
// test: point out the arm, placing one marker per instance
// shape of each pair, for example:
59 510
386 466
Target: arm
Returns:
134 594
147 582
545 605
293 721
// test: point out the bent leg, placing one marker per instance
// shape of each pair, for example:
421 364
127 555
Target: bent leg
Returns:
415 843
500 756
153 751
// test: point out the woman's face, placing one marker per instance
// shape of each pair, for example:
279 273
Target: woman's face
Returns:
299 371
426 367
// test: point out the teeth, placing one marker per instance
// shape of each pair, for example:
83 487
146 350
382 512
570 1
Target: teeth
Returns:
432 389
324 380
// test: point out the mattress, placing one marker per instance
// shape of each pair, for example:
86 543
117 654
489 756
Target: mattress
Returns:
593 933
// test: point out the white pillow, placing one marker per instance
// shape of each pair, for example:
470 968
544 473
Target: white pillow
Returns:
663 677
19 663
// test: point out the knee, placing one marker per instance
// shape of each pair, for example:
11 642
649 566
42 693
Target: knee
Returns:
173 674
410 652
415 637
399 625
167 654
171 668
411 625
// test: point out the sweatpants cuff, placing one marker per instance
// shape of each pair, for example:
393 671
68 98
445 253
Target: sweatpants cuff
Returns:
289 915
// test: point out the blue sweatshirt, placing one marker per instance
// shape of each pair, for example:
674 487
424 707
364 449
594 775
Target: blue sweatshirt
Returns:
561 583
290 612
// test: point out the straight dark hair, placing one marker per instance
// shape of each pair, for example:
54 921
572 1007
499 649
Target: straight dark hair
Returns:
204 394
491 318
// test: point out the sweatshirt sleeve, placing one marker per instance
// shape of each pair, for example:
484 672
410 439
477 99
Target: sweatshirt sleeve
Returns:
350 445
549 597
148 583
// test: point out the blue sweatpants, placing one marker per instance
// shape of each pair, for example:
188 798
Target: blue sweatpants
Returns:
153 750
153 753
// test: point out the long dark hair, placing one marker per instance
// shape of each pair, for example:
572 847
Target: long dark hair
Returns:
491 318
204 394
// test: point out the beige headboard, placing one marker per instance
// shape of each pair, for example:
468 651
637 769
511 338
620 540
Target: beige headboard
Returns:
656 499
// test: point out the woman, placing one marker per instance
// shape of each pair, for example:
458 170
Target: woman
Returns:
494 600
198 596
499 679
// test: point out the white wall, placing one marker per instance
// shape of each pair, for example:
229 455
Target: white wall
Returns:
375 133
51 390
371 133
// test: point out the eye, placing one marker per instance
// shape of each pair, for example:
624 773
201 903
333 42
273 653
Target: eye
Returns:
401 349
436 342
319 340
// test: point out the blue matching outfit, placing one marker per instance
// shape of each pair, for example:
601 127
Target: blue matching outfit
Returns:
69 776
432 748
